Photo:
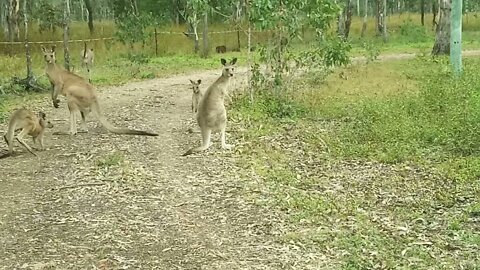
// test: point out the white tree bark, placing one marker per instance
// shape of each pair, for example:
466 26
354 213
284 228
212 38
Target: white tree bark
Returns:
66 30
205 34
365 18
384 22
27 45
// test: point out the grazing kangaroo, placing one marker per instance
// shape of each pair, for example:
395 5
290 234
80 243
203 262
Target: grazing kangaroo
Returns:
196 95
221 49
87 57
211 115
81 96
31 124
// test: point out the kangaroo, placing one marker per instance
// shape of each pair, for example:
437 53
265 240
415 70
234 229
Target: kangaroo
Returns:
197 95
87 57
81 96
211 115
221 49
31 124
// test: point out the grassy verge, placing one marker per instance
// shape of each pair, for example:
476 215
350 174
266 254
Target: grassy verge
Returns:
379 170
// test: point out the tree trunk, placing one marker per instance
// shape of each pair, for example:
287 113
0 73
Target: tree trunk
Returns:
345 20
365 17
12 20
358 8
66 30
442 38
195 36
29 82
3 18
379 20
27 45
384 21
348 18
435 12
238 17
175 12
205 34
422 12
82 11
89 7
249 52
341 25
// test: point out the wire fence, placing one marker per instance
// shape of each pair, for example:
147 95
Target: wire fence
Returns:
111 38
161 42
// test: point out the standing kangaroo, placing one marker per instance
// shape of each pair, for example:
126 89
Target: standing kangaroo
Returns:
211 115
81 96
87 57
196 95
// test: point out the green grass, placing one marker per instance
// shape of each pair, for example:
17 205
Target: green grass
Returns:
114 159
379 170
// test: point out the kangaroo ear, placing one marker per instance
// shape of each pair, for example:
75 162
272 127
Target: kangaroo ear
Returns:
192 82
234 60
43 49
223 61
199 81
53 48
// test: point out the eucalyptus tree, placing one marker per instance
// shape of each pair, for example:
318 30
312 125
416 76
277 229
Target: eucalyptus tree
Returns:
442 36
285 18
66 33
365 18
89 7
192 13
12 19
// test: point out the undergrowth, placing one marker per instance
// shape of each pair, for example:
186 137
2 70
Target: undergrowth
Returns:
376 167
434 123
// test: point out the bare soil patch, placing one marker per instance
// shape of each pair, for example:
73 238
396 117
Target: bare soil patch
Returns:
105 201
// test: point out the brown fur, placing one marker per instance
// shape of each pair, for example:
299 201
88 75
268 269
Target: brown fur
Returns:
221 49
211 115
87 58
30 124
196 95
81 96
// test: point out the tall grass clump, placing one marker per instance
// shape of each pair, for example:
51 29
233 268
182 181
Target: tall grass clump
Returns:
412 33
271 106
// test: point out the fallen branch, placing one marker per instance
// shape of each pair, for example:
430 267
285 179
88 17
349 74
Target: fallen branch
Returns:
82 185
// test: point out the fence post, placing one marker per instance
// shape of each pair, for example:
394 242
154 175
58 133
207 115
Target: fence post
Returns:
156 43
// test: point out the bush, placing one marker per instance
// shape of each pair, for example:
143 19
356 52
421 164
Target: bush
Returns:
271 105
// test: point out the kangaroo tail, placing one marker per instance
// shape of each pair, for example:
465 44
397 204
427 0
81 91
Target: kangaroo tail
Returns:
96 109
191 151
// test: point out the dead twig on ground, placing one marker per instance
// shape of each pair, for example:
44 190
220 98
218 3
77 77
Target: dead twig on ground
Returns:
82 185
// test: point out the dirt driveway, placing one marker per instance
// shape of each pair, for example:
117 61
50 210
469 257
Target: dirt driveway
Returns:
106 201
